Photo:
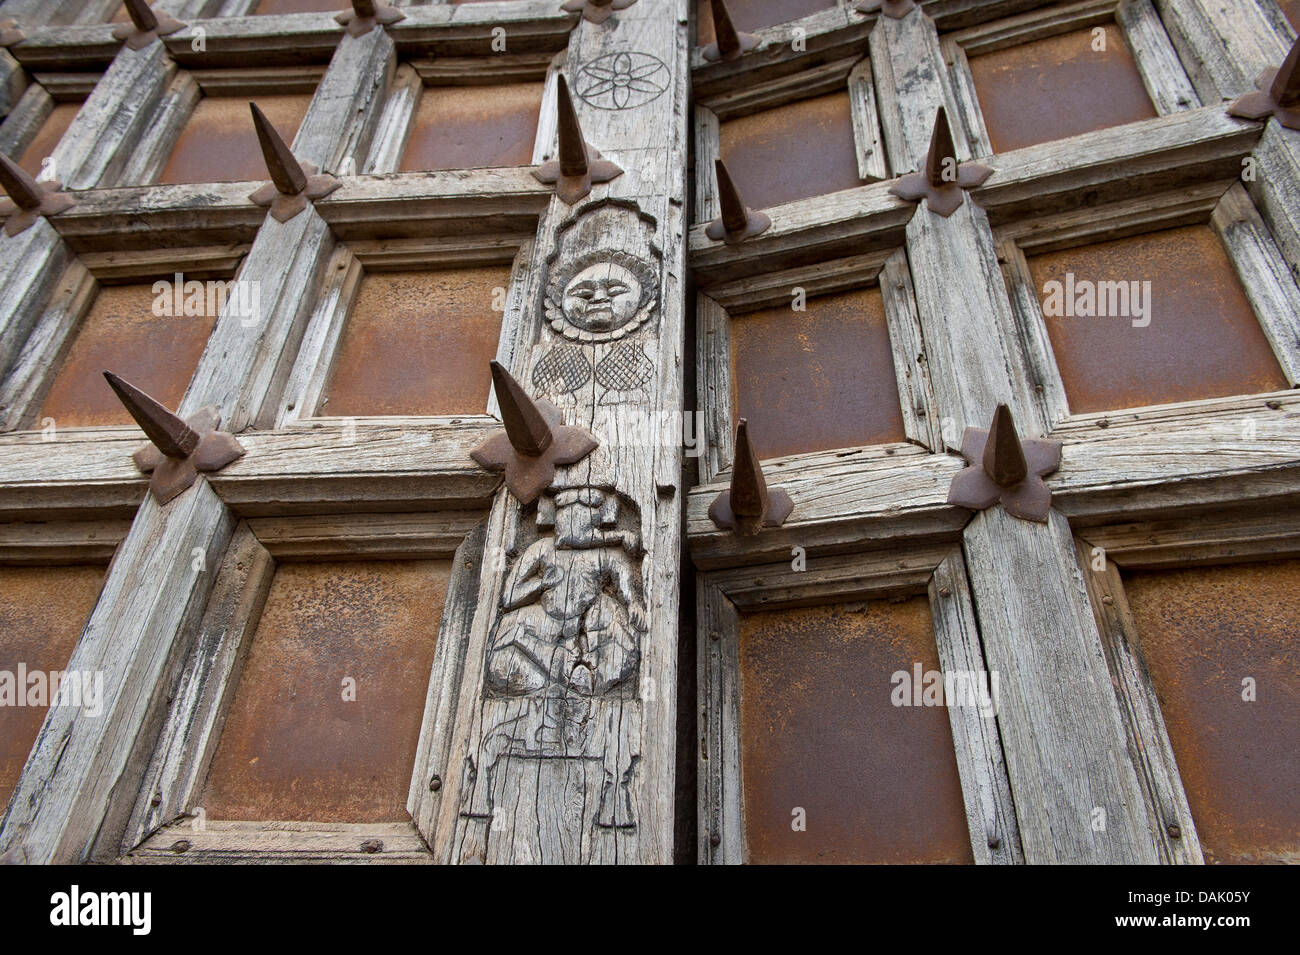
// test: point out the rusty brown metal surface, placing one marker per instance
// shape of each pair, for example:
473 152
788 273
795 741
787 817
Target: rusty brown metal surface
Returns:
792 152
51 131
293 748
1059 87
754 14
156 353
1203 631
878 782
817 379
42 613
297 6
418 343
1292 10
219 143
463 127
1203 340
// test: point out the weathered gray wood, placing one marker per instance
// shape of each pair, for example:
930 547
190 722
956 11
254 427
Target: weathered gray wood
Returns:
532 778
1162 72
866 124
1151 752
152 597
98 144
720 812
708 147
340 123
1275 187
1077 795
922 420
178 767
295 843
24 120
13 82
1224 46
713 387
990 812
1180 541
31 264
395 122
1266 277
155 145
432 535
1031 331
61 542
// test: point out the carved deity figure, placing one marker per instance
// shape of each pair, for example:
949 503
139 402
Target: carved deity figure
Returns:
572 613
601 295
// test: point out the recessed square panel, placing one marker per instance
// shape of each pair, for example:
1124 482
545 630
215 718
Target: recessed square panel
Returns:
1059 87
42 613
219 143
1222 648
750 15
47 139
123 333
463 127
817 379
823 743
791 152
418 343
326 716
1120 343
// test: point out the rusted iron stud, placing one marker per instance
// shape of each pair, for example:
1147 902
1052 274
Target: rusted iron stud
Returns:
533 440
749 505
578 164
145 26
179 449
1003 468
10 33
1278 95
595 11
28 199
897 9
943 181
737 222
292 183
729 43
365 15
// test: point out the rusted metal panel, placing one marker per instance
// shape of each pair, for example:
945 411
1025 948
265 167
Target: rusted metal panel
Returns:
418 343
463 127
1204 632
1292 10
294 747
219 143
297 6
818 379
877 782
750 15
792 152
1203 339
42 613
51 131
121 332
1058 87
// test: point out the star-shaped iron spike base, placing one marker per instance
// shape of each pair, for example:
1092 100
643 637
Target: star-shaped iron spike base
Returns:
139 39
890 8
572 189
528 475
946 199
1029 500
714 55
779 507
52 203
171 476
283 208
595 12
10 34
360 26
755 223
1261 105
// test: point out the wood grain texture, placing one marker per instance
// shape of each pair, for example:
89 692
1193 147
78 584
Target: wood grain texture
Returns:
1076 792
1223 46
283 843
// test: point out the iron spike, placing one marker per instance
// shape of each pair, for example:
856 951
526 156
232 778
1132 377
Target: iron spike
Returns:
525 425
166 430
1004 458
286 173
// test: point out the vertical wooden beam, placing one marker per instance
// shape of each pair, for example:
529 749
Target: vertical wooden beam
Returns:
1224 46
563 749
1076 792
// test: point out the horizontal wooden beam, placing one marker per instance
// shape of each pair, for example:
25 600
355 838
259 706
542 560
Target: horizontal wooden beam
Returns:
1133 468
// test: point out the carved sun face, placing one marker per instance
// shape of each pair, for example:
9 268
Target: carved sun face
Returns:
602 297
